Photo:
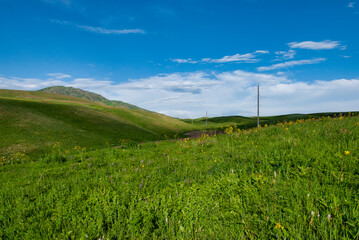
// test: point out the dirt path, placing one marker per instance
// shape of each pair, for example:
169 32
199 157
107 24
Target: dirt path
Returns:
197 134
190 135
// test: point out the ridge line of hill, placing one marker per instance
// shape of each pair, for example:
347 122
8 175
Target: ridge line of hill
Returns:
90 96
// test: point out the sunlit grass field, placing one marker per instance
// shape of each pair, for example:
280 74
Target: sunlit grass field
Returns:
296 180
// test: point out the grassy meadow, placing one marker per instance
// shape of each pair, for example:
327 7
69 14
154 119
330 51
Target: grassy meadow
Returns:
292 180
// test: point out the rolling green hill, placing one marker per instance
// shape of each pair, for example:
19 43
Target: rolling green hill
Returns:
35 121
94 97
249 122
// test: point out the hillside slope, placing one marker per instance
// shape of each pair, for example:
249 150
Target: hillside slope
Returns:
35 121
94 97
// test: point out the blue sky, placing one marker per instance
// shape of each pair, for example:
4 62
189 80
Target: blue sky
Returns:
181 57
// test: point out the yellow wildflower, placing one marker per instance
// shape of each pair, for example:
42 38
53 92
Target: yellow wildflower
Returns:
279 226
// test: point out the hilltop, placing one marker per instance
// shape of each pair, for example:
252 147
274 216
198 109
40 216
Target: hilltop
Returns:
75 92
94 97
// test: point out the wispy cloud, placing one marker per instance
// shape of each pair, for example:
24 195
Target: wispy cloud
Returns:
179 60
291 64
59 75
284 55
351 5
327 44
246 58
110 31
101 30
61 22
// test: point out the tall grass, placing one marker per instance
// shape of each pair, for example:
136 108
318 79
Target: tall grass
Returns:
297 180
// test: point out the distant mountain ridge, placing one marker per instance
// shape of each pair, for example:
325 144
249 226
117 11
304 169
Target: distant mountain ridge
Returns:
94 97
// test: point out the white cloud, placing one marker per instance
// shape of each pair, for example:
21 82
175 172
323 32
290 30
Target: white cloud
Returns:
327 44
188 95
318 96
351 5
110 31
177 113
292 64
193 83
28 83
100 29
284 55
247 58
89 83
262 51
179 60
59 75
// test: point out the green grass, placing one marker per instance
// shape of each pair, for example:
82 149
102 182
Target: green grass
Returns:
35 121
241 122
222 122
298 180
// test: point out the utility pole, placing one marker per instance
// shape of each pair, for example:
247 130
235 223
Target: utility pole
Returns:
191 117
206 119
258 106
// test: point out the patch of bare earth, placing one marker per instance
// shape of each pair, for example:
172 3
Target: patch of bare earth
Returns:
191 135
